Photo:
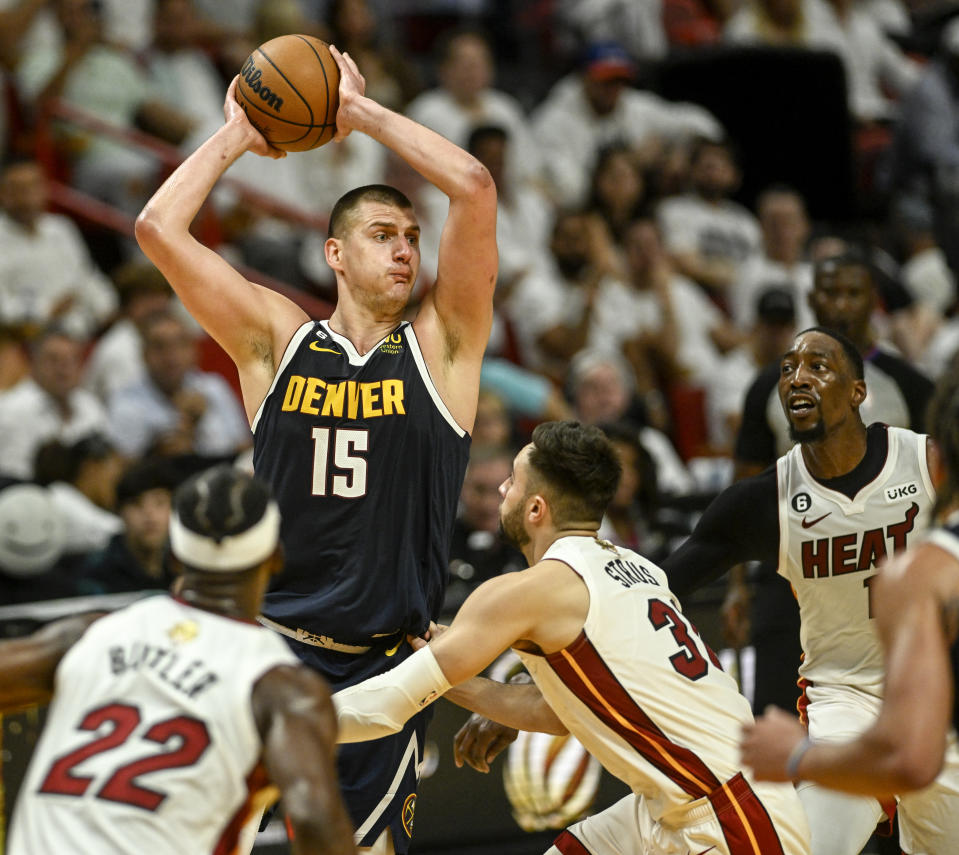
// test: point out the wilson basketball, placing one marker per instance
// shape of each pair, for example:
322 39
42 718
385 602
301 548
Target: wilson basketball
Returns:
289 89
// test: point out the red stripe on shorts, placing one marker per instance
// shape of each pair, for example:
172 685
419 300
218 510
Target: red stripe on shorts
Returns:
746 825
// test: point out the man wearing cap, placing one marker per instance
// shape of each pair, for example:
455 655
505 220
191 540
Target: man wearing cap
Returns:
177 718
597 105
32 539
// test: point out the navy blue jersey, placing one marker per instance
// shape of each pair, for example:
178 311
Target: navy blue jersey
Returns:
366 464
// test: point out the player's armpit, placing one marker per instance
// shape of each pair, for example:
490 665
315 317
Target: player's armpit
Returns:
294 715
28 665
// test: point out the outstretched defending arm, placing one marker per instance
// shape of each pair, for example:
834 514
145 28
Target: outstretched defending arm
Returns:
499 613
294 715
28 665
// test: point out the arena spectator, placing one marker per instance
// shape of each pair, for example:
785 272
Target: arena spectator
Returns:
602 389
176 408
874 64
493 425
923 169
635 517
14 361
176 63
877 70
31 545
82 480
639 26
46 271
524 217
105 80
597 105
572 300
785 23
782 260
135 558
391 79
116 359
466 97
49 404
618 191
769 338
708 235
478 550
677 332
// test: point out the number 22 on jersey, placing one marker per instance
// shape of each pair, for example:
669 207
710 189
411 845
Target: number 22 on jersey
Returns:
189 736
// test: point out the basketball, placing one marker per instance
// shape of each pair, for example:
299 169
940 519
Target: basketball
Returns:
289 90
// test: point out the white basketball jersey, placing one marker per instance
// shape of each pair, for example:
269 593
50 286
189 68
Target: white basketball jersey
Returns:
829 549
150 745
644 693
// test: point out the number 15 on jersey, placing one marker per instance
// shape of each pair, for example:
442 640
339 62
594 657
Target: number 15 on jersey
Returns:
338 469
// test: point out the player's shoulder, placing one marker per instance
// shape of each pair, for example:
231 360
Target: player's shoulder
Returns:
289 688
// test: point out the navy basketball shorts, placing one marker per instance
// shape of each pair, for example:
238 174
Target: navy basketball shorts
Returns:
378 778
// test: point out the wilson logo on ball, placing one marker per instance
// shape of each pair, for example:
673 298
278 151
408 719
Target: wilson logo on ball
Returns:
251 75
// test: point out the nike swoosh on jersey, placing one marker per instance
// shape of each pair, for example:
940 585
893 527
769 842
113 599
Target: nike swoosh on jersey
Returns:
711 849
315 345
811 523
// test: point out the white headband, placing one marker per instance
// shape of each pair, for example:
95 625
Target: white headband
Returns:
233 552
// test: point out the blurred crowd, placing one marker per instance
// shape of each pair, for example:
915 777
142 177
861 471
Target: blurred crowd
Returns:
642 285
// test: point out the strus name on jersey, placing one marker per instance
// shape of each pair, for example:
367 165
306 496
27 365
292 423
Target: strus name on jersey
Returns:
628 574
317 397
185 674
857 551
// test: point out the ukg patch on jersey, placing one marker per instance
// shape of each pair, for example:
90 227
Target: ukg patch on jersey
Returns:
902 491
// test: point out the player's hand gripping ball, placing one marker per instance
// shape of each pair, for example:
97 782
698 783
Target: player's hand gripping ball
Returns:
289 90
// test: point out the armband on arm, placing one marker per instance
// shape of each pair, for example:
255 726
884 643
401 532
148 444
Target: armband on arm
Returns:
383 704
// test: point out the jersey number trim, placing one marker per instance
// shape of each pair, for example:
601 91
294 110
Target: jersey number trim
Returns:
688 662
343 442
121 786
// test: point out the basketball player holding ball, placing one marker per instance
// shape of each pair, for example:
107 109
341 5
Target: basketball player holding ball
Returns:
361 422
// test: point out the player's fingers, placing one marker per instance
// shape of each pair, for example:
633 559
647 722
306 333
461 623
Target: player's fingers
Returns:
502 741
469 747
460 743
356 70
